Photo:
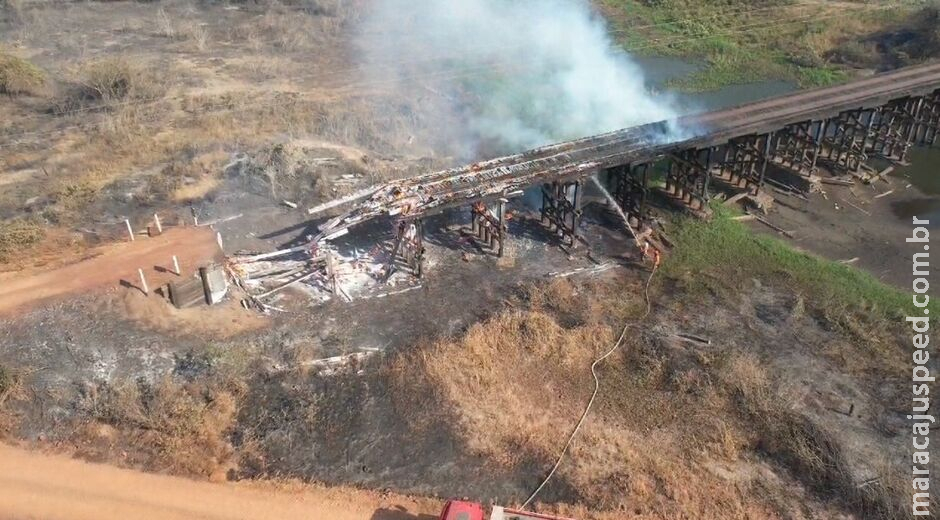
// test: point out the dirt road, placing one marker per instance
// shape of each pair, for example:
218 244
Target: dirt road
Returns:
52 487
111 264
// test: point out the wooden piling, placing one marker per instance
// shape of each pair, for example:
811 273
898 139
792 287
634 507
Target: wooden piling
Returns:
143 282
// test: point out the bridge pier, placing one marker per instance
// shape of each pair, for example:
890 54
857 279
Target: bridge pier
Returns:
687 177
893 128
744 164
628 186
489 227
796 148
561 209
927 120
843 140
408 249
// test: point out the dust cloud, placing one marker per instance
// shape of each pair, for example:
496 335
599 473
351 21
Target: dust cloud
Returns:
517 74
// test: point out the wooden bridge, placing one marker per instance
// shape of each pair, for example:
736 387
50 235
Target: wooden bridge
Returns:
789 141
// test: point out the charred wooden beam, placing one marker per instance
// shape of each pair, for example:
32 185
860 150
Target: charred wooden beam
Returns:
489 227
408 250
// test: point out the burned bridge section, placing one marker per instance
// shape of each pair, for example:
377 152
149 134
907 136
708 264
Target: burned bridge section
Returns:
788 142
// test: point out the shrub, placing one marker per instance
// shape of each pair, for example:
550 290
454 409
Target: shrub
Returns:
18 234
109 80
18 76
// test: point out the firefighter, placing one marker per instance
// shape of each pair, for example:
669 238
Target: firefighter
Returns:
650 252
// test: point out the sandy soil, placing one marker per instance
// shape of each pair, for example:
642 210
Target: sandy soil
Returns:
40 486
111 265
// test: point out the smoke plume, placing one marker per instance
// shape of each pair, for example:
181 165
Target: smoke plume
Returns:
517 73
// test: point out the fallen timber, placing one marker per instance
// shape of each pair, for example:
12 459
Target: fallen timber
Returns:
820 116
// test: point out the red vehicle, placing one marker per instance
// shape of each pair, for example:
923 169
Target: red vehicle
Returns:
458 510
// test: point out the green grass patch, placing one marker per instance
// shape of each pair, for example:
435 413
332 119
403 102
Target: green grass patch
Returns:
824 76
743 42
729 252
729 67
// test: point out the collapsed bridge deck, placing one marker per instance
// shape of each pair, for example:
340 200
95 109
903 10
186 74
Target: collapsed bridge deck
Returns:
431 193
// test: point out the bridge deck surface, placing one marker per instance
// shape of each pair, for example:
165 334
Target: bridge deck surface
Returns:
433 192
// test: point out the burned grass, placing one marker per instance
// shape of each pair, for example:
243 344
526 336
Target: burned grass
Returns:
680 428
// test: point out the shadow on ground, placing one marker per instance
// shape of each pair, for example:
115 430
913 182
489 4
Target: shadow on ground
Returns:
399 513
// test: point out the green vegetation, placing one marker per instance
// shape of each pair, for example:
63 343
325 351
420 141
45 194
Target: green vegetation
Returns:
730 252
18 76
809 43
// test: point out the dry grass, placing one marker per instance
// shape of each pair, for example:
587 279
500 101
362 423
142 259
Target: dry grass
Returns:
515 385
116 79
286 30
10 386
19 76
186 30
165 426
676 432
16 236
811 452
191 176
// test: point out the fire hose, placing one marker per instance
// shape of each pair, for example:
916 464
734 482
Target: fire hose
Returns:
597 383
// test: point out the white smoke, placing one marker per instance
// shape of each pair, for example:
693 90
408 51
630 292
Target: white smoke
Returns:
518 73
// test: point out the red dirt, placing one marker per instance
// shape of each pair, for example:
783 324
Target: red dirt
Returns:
110 265
53 487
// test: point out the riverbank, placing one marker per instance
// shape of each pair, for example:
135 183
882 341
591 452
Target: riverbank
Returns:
810 43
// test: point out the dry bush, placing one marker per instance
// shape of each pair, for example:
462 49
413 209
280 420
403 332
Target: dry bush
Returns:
165 25
9 381
18 76
111 80
187 30
117 79
189 177
11 385
18 235
197 35
168 426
